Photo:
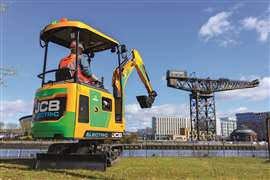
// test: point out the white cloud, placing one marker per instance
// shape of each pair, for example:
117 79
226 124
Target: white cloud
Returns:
261 92
219 28
222 29
261 26
231 112
12 110
137 118
216 25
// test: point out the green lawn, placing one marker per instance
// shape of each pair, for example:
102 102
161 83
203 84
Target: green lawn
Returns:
153 168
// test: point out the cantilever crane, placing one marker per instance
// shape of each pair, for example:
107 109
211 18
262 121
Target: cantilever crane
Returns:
202 101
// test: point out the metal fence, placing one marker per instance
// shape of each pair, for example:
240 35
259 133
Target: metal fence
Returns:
161 149
194 153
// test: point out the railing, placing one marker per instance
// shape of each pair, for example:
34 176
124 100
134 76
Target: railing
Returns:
29 149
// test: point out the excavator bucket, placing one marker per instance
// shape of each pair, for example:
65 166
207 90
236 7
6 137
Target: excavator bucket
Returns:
145 101
71 161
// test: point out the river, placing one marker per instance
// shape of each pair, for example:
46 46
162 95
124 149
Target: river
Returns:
31 153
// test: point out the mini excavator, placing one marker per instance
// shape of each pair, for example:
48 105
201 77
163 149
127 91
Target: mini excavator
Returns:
88 115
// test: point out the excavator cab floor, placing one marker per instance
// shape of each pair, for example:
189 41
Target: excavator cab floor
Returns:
71 161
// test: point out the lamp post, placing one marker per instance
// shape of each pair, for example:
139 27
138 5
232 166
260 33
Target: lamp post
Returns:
268 133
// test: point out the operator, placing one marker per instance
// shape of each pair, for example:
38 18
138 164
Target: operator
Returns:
84 70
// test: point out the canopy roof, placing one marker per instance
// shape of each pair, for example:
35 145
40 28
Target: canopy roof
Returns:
60 32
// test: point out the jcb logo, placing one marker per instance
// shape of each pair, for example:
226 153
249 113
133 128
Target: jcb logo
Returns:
47 106
52 109
117 135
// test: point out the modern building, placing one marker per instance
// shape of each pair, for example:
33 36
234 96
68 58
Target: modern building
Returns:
243 134
254 121
25 123
227 125
145 134
170 128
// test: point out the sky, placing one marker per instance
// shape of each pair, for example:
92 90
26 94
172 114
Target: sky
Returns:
216 39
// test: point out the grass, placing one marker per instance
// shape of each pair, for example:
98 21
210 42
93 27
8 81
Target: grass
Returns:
152 168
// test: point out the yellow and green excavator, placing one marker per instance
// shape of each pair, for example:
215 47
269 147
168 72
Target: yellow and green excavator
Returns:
87 114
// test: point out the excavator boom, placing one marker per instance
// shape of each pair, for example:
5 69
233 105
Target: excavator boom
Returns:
120 79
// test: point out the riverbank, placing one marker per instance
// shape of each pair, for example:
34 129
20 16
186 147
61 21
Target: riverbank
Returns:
152 168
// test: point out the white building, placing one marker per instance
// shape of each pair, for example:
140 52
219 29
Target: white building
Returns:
227 125
165 127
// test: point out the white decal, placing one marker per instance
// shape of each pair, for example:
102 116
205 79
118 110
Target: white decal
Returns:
117 135
54 105
43 106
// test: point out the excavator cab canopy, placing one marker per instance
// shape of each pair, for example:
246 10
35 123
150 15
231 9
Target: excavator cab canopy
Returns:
62 32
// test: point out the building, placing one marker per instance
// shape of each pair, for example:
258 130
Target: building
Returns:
243 134
254 121
25 123
170 128
227 125
145 134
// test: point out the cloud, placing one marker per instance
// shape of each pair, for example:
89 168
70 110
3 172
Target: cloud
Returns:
220 29
137 118
261 26
12 110
255 94
231 112
216 25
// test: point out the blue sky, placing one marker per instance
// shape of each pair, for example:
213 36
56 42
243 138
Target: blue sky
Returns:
226 39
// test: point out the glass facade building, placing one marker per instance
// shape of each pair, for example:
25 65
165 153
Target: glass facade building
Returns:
254 121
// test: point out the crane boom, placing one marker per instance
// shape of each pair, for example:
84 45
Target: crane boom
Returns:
207 85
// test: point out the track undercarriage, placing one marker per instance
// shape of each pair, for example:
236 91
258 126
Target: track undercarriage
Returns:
85 154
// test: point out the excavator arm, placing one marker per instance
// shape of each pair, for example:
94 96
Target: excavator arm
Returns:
120 79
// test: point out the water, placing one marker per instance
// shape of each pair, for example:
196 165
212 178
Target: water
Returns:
196 153
20 153
31 153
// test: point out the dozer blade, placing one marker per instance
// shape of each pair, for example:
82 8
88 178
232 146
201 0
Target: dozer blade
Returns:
71 161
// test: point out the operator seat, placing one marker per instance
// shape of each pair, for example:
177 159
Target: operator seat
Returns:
63 74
